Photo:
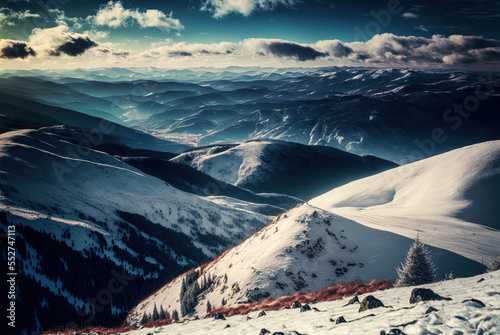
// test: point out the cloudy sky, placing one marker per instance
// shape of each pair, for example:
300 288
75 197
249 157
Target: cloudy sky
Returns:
181 33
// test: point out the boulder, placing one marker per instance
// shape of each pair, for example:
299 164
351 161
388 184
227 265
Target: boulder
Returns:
262 313
218 316
227 326
430 310
353 301
340 319
264 331
370 302
305 308
474 303
296 304
424 294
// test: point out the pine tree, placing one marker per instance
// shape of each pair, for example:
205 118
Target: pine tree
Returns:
163 315
494 265
209 307
156 315
167 315
418 268
175 315
145 319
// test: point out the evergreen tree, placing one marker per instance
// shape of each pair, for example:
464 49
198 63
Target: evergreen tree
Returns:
156 315
418 268
494 265
145 319
175 315
163 315
209 307
167 315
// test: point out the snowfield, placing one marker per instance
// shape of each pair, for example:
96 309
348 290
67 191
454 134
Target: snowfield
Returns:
451 200
451 317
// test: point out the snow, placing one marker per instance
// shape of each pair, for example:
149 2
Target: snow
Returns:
449 199
452 317
305 249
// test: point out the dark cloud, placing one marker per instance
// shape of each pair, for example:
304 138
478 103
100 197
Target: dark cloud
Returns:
293 50
75 46
15 49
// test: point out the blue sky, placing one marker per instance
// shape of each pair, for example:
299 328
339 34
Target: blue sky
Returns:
134 30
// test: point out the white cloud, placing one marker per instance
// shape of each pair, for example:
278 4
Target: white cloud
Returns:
409 15
7 16
422 28
221 8
114 15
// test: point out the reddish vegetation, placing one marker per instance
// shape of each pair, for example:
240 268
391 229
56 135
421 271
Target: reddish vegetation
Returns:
158 323
327 294
93 329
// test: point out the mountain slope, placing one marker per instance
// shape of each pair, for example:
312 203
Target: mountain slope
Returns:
85 219
282 167
459 315
305 249
451 199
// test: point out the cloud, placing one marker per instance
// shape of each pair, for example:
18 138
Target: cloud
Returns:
421 27
409 15
183 49
60 40
221 8
8 16
282 49
11 49
114 15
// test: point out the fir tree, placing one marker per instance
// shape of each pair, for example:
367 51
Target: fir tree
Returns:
175 315
156 315
418 268
163 315
167 315
145 319
209 307
494 265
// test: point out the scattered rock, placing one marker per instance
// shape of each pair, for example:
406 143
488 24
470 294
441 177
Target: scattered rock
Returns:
393 331
227 326
332 320
353 301
474 303
370 302
218 316
296 304
315 309
461 318
340 319
480 280
278 333
430 310
305 308
262 313
248 318
264 331
424 294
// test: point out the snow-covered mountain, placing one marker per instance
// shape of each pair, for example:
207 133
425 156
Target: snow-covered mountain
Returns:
305 249
473 308
450 199
361 233
85 219
273 166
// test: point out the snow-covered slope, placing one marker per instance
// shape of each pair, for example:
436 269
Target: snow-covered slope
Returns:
304 249
451 199
82 215
282 167
456 316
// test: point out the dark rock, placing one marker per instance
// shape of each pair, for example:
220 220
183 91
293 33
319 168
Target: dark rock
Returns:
278 333
296 304
430 310
396 331
305 308
474 303
332 320
480 280
227 326
370 302
218 316
315 309
262 313
424 294
264 331
249 318
353 301
340 319
461 318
